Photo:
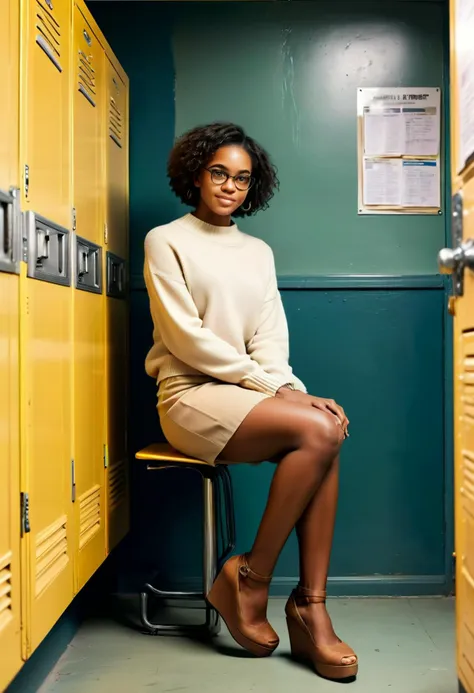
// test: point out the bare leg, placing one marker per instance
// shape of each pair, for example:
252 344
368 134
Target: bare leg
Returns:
311 440
315 530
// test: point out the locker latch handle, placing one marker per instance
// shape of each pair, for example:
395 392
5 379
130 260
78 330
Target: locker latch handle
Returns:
83 262
42 246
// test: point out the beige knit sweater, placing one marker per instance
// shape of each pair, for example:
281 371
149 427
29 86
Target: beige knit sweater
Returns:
215 306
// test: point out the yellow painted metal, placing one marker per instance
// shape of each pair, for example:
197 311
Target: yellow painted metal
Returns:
117 309
89 326
45 109
89 433
117 159
162 452
463 181
9 59
10 616
46 471
88 127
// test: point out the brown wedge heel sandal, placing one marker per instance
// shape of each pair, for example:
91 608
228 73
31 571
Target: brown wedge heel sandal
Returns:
327 660
260 639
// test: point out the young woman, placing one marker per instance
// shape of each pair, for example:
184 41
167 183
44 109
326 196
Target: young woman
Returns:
226 391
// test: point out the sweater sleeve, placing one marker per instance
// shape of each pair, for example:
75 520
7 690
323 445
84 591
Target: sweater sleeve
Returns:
270 344
177 319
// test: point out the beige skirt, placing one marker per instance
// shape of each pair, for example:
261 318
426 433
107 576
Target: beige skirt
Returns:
199 416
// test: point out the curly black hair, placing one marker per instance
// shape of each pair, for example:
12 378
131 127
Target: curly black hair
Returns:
195 148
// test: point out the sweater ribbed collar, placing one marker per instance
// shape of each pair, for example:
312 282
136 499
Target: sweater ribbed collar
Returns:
228 235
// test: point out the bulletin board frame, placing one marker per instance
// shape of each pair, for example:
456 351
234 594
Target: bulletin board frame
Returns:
409 100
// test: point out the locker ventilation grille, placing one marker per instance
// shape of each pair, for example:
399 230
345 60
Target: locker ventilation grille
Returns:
117 484
468 481
86 77
115 122
48 36
51 554
89 510
5 591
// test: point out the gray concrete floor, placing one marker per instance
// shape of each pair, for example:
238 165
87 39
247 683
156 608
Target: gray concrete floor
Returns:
404 646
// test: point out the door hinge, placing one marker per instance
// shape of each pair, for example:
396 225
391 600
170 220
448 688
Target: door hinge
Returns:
26 180
106 455
73 481
74 219
25 513
106 233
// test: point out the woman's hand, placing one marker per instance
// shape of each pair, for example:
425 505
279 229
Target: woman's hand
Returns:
327 405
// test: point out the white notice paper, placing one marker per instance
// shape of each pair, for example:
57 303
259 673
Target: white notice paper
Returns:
400 121
465 55
382 181
421 132
420 183
383 132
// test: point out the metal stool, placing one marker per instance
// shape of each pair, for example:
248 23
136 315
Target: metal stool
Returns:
218 502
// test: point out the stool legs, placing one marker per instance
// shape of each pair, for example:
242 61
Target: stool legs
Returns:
212 624
210 551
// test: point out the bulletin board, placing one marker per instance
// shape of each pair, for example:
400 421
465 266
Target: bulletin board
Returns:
398 146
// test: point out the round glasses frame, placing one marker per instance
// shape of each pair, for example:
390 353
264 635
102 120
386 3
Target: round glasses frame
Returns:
220 177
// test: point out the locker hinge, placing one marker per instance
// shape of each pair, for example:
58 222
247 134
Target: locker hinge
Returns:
73 219
106 233
26 180
25 513
106 455
73 481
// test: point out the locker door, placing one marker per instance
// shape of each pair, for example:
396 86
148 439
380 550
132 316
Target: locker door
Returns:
9 80
10 586
118 519
45 362
460 262
117 161
45 108
88 130
89 410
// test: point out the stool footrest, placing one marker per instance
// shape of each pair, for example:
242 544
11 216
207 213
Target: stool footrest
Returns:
208 629
163 594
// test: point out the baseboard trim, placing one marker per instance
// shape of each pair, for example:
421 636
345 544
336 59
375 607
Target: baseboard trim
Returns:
353 586
342 281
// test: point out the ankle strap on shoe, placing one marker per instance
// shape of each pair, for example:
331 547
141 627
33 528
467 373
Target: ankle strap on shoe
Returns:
304 595
246 572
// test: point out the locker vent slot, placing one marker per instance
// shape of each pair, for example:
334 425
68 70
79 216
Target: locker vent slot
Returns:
5 591
117 484
468 482
86 78
115 122
48 35
89 514
51 554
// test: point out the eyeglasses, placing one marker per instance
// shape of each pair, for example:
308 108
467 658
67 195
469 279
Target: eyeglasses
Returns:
242 181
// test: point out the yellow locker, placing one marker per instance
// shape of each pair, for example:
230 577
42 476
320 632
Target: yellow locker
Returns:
46 463
89 410
9 59
117 476
10 585
45 109
117 159
10 579
89 329
460 262
117 202
88 128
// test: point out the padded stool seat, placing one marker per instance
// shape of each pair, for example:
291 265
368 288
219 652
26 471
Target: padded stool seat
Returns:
218 509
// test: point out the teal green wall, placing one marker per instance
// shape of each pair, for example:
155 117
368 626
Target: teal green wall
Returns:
289 73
